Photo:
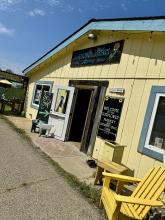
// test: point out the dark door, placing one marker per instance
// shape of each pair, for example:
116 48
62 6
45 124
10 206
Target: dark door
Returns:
91 91
80 114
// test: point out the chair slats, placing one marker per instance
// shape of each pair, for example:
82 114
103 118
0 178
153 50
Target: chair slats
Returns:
154 193
145 182
150 188
129 209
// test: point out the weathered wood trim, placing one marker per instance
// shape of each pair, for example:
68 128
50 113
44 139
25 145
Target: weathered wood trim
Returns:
96 120
87 126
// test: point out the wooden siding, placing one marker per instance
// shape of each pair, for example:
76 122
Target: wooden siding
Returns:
142 65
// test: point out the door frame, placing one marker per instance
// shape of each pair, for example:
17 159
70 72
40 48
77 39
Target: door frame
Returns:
95 106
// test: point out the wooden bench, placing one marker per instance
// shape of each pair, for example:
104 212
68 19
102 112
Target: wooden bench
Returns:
111 167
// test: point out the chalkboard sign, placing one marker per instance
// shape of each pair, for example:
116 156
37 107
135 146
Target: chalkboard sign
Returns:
110 118
45 106
104 54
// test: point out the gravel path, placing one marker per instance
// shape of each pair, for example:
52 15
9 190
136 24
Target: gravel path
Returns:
31 189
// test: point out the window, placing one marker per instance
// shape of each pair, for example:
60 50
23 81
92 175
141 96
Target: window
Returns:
40 87
152 139
156 133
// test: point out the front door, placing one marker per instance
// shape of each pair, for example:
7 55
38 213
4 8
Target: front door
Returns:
61 111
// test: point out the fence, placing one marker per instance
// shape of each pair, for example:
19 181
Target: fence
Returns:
14 106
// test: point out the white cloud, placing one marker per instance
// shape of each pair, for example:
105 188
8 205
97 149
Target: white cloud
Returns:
68 8
6 5
54 2
36 12
62 5
5 30
80 10
124 7
101 5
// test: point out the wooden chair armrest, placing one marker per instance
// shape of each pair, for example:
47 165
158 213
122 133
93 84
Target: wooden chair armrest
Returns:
123 178
147 202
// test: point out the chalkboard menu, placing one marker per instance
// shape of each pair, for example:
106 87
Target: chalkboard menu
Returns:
45 106
104 54
110 118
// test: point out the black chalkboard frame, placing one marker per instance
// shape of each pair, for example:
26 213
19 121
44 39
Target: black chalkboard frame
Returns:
103 135
44 110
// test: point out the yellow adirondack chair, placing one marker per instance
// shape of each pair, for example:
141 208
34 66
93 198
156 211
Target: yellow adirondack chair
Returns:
137 205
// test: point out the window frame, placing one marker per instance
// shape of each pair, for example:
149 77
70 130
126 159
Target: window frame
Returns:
143 146
155 107
41 83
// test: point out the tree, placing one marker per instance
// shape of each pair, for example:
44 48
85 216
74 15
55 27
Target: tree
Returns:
9 71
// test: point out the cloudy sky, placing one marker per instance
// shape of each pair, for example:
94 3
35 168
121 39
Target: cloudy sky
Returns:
29 28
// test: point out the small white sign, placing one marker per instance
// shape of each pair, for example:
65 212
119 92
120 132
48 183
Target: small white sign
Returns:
117 90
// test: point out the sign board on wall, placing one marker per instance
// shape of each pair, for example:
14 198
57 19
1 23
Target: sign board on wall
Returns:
45 106
110 118
104 54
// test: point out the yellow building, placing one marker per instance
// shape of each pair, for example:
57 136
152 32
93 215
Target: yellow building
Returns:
108 81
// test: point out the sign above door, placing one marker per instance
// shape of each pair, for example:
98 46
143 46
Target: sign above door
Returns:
104 54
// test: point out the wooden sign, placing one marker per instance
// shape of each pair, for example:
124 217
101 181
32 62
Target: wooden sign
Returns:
45 106
104 54
110 118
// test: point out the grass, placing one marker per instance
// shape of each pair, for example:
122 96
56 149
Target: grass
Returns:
92 194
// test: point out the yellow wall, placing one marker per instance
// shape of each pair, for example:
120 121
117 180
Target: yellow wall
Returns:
142 65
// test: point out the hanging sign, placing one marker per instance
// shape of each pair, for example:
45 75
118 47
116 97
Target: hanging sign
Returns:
110 118
104 54
45 106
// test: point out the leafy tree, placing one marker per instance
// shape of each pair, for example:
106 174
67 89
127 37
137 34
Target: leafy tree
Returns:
9 71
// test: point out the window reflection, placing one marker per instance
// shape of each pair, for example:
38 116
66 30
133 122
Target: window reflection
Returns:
39 89
158 131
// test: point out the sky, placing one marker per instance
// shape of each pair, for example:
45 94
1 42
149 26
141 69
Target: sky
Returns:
29 28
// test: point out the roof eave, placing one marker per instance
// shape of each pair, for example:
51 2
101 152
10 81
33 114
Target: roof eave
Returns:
148 24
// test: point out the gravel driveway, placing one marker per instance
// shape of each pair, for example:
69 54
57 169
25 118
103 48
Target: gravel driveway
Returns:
30 188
